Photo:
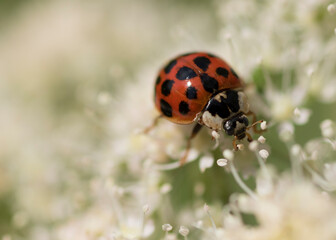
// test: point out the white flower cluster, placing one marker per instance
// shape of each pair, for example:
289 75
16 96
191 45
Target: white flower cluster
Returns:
290 209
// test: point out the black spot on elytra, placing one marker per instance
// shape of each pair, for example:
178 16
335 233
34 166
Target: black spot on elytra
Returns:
209 83
218 107
234 73
222 72
185 73
191 93
184 108
166 87
169 66
202 63
158 80
166 109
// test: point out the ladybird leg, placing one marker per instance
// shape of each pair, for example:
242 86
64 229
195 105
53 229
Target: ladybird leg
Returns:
194 132
234 143
255 122
154 123
249 137
253 126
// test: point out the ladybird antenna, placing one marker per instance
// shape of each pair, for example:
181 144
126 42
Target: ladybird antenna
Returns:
254 124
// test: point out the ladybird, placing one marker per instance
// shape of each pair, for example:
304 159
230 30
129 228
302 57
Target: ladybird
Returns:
201 87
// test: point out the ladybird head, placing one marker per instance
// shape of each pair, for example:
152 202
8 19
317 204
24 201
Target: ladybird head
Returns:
236 126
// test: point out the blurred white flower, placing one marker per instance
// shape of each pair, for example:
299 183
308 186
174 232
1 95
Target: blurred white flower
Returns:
184 231
327 128
167 227
264 153
284 213
205 162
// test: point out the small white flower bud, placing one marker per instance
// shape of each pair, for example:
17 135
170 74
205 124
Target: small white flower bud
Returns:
264 154
167 227
253 146
240 146
184 231
222 162
228 154
263 125
262 139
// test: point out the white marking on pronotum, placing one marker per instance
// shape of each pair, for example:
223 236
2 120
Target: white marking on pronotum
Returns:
213 122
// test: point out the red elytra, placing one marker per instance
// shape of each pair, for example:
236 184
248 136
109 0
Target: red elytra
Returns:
186 84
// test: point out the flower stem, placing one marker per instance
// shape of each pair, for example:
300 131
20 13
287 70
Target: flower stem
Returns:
241 183
263 166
